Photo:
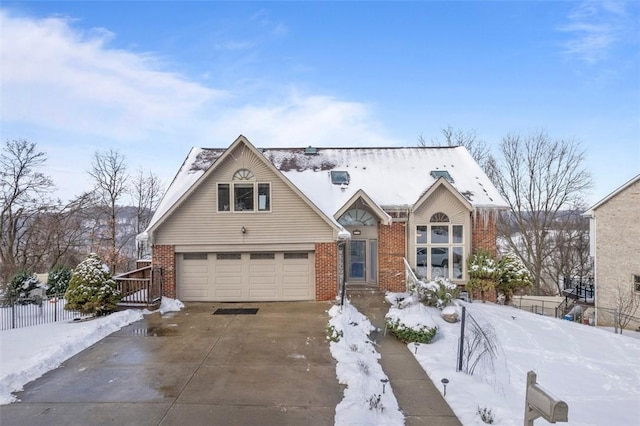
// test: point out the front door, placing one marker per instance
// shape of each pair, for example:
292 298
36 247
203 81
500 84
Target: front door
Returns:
357 261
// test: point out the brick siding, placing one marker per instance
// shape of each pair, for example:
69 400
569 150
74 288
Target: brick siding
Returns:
391 251
326 271
483 236
165 258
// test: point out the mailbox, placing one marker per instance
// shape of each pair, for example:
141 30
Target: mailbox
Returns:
541 403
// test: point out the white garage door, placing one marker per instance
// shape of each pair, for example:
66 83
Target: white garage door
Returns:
256 276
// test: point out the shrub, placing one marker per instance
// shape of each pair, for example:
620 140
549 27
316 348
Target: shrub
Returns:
333 335
511 275
482 272
22 284
58 280
486 415
91 288
406 334
439 293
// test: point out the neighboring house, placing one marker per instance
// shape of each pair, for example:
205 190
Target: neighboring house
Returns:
615 248
248 224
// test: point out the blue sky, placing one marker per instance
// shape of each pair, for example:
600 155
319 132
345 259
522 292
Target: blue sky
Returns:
152 79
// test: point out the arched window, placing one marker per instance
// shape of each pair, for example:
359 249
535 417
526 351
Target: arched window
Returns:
439 217
357 217
243 174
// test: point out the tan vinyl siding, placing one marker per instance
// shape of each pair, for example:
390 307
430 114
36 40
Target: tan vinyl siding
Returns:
442 200
197 221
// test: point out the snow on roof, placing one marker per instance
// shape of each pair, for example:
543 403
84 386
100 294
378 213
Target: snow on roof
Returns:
391 177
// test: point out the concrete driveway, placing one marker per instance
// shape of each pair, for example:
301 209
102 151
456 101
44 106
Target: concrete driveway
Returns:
195 368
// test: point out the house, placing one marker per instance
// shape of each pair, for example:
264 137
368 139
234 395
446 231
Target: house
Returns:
248 224
615 249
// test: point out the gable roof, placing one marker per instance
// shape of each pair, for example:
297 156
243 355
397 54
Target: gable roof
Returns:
376 209
591 210
391 178
201 163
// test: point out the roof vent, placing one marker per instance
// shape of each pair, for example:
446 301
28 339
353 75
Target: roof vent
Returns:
340 177
311 150
436 174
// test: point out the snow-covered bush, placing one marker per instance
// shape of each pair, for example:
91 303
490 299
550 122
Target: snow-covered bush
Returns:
58 280
91 288
407 334
22 284
511 275
482 272
439 292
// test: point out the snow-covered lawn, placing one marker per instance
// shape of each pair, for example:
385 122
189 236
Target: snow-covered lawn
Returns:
596 372
27 353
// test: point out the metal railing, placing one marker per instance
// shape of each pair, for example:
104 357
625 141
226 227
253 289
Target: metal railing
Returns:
538 306
28 311
410 278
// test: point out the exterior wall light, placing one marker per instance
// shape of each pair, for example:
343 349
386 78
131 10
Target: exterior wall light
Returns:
243 230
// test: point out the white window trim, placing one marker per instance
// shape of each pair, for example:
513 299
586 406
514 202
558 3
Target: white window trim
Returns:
449 245
232 207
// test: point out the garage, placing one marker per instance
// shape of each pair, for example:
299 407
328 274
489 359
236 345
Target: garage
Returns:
253 276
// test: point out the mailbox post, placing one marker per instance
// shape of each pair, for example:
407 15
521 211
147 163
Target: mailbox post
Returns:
540 403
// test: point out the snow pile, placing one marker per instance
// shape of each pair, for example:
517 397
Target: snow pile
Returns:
28 353
364 401
170 305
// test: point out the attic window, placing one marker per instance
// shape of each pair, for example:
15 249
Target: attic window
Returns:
339 177
441 173
243 174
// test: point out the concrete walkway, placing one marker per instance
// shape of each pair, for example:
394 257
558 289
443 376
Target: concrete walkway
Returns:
418 398
195 368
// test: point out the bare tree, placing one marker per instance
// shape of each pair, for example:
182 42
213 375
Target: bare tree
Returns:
109 173
24 193
477 147
627 304
538 177
568 239
146 192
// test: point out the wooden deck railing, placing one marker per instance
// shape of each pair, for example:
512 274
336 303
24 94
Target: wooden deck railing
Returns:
140 287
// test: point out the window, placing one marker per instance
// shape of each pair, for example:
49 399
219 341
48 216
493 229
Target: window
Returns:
339 177
243 195
223 197
264 197
228 256
441 173
194 256
636 282
356 217
262 256
440 249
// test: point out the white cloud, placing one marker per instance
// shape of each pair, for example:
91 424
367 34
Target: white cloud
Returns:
594 28
304 120
54 76
74 93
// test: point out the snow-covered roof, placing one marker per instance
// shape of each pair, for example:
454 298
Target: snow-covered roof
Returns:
394 178
391 177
